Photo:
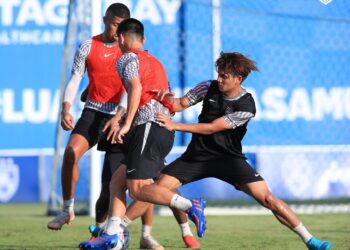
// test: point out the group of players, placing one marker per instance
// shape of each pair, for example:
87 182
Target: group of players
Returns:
128 111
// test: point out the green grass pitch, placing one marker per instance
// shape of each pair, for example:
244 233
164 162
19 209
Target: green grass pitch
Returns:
23 226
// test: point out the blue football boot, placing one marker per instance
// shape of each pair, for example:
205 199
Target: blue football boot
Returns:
102 242
95 230
196 214
316 244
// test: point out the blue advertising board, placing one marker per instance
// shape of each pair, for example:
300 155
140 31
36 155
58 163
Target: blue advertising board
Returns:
302 91
31 44
19 179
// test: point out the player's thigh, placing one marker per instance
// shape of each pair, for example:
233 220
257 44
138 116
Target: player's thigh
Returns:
148 145
89 126
112 161
186 171
258 190
158 143
135 186
235 171
168 181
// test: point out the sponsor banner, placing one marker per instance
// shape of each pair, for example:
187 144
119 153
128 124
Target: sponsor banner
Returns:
302 91
19 179
291 174
82 188
305 174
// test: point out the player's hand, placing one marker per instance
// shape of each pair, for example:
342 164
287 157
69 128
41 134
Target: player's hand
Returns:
165 121
113 126
67 121
164 94
121 133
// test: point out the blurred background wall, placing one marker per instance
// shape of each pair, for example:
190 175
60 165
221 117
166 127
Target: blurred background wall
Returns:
298 141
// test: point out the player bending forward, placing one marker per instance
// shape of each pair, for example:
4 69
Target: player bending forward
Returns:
216 150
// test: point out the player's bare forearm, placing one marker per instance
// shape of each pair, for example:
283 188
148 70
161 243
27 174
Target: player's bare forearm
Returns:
66 107
199 128
120 112
67 120
180 104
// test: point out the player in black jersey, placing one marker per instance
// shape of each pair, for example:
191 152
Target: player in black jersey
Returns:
216 150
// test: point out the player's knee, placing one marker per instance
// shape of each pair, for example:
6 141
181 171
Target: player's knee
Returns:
134 193
138 194
70 155
269 200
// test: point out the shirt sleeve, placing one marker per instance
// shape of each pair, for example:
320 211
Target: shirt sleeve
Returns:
128 67
238 118
242 113
197 94
80 57
72 88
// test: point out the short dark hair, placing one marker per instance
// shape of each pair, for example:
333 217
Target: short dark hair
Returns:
131 26
236 64
118 10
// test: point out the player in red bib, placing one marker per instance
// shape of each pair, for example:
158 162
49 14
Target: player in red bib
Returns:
105 99
147 142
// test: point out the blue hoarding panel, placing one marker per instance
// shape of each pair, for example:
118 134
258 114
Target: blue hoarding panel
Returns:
302 91
19 180
306 174
82 188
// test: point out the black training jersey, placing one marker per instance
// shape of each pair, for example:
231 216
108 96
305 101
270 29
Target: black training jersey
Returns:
227 142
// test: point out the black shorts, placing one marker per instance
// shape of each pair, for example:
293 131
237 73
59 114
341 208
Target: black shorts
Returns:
111 163
148 144
235 171
90 125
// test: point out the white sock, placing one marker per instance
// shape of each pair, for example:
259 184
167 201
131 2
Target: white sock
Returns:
302 232
146 231
180 202
68 205
113 225
126 221
185 229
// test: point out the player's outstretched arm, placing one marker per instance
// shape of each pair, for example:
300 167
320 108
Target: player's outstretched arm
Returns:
217 125
179 104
